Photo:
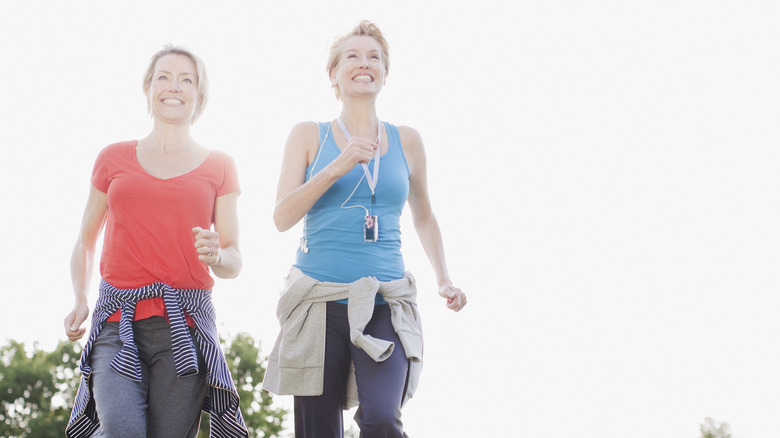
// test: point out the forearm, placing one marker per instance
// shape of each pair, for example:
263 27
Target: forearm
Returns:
81 274
430 237
229 263
292 207
81 265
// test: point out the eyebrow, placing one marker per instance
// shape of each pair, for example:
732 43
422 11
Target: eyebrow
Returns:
355 50
166 71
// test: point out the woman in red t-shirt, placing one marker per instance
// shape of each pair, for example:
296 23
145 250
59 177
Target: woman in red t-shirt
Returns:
158 198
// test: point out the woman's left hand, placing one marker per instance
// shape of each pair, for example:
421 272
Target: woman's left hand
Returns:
207 245
456 299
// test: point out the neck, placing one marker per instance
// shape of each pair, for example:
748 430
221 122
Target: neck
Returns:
167 137
360 118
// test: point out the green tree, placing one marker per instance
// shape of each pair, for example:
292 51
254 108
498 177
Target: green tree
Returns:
37 389
247 367
711 429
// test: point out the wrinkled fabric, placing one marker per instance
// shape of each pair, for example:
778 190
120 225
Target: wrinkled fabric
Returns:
296 363
221 402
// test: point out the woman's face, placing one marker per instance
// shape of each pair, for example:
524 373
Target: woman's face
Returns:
173 93
360 70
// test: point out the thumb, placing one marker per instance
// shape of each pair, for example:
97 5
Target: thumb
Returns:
73 325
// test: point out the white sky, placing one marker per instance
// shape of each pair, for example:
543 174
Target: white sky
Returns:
605 174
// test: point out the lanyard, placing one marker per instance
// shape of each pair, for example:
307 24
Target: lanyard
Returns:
371 180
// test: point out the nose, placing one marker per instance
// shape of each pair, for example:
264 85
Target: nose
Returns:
365 63
175 85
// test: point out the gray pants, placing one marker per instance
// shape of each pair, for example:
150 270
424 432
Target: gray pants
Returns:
162 404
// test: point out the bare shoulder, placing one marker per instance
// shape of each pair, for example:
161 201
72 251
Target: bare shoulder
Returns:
409 135
304 139
412 144
304 132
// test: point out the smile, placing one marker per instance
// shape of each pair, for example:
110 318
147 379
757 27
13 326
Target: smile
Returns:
363 78
172 101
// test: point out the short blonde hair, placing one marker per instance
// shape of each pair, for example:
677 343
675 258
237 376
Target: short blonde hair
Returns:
200 68
364 28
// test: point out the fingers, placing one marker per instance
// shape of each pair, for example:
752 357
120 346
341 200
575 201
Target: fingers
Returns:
206 245
73 321
359 150
75 335
456 299
461 302
364 149
457 302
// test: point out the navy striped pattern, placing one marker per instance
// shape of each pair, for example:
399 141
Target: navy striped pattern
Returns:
222 399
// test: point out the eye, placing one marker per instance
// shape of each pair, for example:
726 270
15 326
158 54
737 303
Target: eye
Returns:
162 78
187 80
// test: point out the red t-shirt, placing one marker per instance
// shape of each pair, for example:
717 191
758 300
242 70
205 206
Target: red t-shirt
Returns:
148 235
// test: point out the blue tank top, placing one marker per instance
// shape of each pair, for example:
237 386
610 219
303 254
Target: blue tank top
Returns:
337 250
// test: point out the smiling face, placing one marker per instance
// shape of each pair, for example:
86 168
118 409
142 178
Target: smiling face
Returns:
360 69
173 90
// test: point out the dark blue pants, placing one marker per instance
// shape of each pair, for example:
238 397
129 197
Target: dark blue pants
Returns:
380 385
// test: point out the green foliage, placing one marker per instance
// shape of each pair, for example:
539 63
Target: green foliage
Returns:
37 389
711 429
247 367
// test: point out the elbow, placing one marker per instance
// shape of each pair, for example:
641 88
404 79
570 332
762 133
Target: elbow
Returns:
281 222
281 225
423 220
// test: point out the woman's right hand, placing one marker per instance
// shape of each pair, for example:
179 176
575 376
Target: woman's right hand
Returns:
357 150
73 321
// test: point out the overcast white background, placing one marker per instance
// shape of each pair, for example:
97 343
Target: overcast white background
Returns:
605 174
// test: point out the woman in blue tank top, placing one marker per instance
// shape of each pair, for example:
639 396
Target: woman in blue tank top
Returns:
331 180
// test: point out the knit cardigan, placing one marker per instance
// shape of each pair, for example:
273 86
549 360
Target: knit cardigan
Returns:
296 363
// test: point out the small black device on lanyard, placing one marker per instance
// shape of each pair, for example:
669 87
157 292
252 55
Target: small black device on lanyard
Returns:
371 229
371 226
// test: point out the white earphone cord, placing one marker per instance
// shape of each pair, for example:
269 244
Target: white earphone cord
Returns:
304 238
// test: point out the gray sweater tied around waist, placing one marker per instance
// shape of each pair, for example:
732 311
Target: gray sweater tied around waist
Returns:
296 363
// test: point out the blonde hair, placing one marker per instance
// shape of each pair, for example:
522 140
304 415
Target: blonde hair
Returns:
364 28
200 68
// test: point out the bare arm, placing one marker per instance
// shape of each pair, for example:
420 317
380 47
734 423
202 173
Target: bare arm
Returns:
294 195
82 261
219 248
424 220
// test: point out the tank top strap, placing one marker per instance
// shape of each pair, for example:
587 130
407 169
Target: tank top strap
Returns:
394 143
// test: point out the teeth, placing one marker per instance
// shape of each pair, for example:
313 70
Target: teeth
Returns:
172 101
363 78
